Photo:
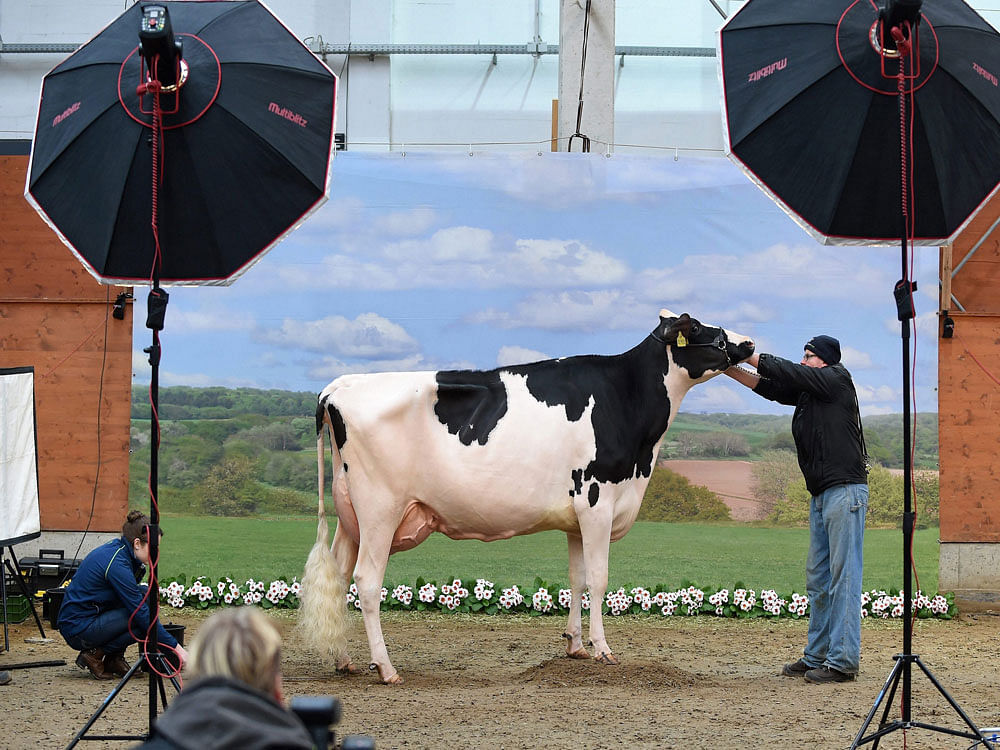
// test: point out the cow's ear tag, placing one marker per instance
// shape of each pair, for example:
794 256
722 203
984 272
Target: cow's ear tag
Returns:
681 341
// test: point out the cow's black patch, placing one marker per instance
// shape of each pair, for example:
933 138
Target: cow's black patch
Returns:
631 405
630 410
470 403
593 494
577 475
339 428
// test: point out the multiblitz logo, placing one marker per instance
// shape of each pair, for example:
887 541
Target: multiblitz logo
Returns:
66 113
768 70
287 114
985 73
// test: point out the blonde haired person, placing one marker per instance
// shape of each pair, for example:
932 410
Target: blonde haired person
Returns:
234 698
104 609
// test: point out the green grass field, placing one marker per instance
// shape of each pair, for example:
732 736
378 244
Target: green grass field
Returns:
651 554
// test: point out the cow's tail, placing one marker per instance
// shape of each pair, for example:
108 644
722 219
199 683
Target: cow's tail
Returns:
323 611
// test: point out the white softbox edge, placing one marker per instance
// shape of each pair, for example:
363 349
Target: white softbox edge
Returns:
19 517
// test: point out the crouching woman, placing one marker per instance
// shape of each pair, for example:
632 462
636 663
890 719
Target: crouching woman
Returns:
104 609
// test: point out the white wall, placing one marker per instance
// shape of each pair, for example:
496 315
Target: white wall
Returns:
438 99
660 102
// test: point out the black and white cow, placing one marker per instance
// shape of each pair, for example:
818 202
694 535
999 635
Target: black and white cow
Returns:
564 444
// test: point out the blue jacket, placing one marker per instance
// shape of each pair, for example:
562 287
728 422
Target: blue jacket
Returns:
108 579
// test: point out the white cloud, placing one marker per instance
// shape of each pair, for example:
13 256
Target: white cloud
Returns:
328 368
518 355
452 244
714 396
367 336
573 310
209 319
855 359
203 380
336 272
407 223
460 256
568 261
878 399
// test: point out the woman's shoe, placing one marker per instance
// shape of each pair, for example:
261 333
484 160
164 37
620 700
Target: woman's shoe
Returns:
93 659
115 664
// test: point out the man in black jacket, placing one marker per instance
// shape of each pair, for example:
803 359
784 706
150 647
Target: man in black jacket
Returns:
826 427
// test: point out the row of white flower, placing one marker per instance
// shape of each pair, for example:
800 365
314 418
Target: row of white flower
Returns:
484 597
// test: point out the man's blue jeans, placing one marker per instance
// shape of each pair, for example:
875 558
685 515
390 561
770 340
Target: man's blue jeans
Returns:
109 631
833 577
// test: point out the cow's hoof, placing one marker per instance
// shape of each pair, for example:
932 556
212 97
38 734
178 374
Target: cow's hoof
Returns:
580 653
393 679
607 659
349 668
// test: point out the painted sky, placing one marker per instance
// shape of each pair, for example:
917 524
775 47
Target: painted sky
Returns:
452 260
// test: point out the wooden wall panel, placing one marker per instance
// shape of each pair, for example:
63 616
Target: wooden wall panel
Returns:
968 388
977 282
56 317
969 430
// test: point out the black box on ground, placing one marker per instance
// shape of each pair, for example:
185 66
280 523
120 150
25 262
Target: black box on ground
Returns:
51 603
48 570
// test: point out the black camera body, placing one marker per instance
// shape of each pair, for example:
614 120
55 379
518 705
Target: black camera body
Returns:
319 713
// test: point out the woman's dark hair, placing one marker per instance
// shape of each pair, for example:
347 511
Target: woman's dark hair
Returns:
135 527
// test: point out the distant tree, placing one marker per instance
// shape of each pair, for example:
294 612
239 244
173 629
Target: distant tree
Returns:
712 444
230 488
781 441
793 510
885 500
277 436
671 497
772 475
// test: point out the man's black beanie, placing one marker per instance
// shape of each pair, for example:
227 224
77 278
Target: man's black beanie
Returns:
827 347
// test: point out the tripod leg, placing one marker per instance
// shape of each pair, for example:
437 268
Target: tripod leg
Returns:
24 590
107 702
951 701
885 694
3 602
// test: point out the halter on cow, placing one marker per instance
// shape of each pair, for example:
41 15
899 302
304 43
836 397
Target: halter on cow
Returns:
566 444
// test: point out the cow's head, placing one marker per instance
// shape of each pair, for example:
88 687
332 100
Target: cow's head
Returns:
703 350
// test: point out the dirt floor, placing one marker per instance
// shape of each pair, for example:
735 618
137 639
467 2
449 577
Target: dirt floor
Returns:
503 682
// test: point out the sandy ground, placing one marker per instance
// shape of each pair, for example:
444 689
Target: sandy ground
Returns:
730 480
503 682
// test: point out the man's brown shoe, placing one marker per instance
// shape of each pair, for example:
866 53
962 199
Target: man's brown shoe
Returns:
822 675
795 669
93 659
115 664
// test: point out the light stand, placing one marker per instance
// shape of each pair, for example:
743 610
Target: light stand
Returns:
161 54
151 658
898 12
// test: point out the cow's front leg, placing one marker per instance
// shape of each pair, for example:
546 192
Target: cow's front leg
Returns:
595 527
373 555
578 584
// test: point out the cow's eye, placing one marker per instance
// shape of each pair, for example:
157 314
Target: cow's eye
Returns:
695 329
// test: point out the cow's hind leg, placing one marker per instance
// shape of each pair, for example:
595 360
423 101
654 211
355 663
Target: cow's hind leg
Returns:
595 528
578 584
345 553
373 556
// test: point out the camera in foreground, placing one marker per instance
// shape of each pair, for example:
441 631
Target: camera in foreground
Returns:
319 713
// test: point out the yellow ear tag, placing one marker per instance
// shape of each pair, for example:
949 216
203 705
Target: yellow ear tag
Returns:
681 341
